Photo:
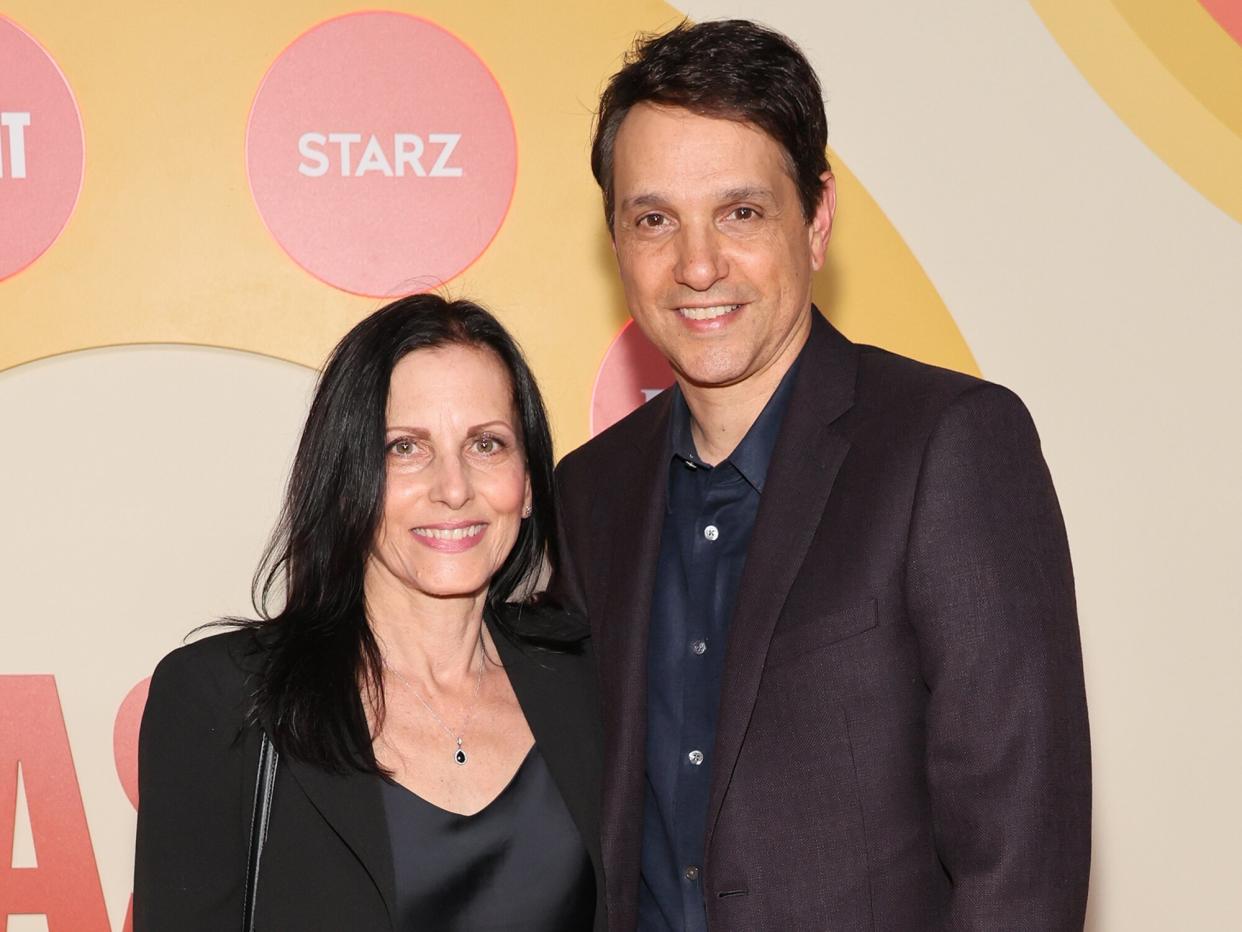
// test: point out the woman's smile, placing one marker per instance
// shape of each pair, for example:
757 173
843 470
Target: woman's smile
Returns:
450 537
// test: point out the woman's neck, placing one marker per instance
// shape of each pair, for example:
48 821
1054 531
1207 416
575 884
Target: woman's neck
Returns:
434 639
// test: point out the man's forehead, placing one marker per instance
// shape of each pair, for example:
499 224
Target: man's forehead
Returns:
654 138
671 119
669 155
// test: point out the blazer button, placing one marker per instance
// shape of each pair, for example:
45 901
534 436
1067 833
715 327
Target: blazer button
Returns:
692 873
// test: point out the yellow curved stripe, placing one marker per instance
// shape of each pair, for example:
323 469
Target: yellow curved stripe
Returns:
1195 50
1169 99
874 289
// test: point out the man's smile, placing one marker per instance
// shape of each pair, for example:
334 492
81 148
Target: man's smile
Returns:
707 313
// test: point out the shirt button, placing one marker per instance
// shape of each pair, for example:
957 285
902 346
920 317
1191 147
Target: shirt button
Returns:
696 757
711 532
699 647
691 873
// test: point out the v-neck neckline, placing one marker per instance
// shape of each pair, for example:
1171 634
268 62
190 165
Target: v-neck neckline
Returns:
504 791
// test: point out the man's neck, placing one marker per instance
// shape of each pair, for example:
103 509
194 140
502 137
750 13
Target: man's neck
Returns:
720 415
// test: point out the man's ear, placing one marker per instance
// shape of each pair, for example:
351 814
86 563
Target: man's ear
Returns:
820 230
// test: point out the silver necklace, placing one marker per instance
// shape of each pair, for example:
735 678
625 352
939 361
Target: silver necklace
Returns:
459 755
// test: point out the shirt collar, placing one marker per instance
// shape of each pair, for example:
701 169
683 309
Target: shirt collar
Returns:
752 456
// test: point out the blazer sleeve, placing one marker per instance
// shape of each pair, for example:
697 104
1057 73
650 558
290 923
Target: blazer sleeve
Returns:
991 594
193 771
567 586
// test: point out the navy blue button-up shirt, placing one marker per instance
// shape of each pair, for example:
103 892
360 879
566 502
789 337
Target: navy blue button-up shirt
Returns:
707 528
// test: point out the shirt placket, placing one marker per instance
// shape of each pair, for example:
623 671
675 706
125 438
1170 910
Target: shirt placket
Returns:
699 688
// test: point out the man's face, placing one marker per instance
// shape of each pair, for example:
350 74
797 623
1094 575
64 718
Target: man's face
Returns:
714 252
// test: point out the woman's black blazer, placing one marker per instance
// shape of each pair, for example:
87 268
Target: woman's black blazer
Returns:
327 864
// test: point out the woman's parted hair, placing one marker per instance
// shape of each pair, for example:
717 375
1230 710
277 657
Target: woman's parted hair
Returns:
319 645
732 69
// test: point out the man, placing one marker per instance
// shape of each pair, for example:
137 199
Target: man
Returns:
829 586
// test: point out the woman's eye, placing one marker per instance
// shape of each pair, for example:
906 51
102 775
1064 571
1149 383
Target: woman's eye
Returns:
487 445
402 447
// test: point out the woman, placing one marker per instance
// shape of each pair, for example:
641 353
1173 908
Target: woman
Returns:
438 745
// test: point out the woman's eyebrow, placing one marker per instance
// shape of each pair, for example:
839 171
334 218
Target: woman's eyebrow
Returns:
424 433
497 423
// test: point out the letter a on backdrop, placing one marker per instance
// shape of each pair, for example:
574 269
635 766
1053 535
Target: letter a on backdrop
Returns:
64 886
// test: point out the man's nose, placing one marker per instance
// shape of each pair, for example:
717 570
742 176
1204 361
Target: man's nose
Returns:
451 482
701 262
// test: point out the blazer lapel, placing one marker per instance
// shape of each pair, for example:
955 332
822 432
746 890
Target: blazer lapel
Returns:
567 737
352 805
804 465
636 520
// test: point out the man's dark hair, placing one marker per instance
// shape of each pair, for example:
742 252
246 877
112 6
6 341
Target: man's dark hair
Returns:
320 647
732 69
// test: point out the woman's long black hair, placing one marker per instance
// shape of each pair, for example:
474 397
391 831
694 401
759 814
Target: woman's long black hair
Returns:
319 646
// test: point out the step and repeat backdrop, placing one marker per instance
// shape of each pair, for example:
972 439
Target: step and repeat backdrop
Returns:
198 200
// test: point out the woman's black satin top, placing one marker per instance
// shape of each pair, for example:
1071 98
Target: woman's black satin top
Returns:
517 865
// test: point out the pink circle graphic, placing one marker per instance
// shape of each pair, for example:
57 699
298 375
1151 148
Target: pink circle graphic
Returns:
381 153
41 150
1228 13
125 737
632 373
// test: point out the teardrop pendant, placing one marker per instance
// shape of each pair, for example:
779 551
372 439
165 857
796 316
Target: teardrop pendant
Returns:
460 755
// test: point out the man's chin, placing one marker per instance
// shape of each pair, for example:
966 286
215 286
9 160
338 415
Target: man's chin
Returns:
708 374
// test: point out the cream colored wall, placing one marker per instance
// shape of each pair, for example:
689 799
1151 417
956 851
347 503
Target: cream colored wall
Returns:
146 481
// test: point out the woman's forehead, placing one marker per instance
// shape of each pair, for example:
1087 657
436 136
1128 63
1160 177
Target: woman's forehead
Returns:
466 384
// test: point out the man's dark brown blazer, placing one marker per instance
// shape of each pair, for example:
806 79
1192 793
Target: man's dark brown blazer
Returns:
902 741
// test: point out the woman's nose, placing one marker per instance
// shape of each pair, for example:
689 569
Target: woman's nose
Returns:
451 483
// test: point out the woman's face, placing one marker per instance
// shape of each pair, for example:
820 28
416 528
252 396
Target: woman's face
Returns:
456 474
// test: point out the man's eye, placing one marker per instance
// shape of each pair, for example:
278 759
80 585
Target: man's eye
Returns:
744 213
652 221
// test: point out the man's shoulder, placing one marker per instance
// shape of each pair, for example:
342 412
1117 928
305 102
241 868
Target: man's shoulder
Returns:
884 372
890 384
905 402
612 449
894 394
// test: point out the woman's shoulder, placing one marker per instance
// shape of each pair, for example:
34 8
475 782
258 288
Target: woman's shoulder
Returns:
230 651
545 624
213 671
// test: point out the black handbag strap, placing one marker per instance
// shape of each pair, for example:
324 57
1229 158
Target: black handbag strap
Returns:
265 781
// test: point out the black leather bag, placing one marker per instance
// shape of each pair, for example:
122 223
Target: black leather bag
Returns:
264 784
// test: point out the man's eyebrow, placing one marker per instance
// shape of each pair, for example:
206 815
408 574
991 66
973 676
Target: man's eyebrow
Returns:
646 199
747 193
727 196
